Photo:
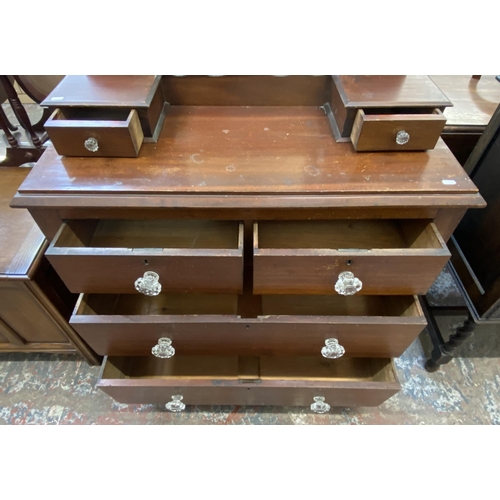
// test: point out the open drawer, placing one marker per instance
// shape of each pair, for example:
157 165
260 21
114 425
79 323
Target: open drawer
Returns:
397 130
387 257
132 325
233 380
109 256
95 132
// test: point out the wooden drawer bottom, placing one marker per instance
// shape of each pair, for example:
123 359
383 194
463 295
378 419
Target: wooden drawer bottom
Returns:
239 380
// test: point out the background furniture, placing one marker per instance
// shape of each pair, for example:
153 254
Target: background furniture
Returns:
35 305
25 143
247 257
475 100
475 250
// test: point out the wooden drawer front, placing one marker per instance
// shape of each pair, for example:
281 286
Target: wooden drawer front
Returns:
390 257
115 132
379 132
108 256
366 326
233 380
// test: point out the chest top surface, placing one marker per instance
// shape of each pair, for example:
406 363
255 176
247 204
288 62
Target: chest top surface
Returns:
238 151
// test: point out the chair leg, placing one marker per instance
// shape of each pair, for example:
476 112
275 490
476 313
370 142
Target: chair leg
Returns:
19 111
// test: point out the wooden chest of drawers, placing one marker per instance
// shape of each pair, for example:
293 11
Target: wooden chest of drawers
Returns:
250 216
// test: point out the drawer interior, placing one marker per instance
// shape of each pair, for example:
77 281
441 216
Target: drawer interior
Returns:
337 305
185 234
163 304
228 304
313 368
347 234
92 114
400 111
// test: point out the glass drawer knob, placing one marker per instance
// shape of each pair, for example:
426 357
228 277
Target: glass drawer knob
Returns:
319 405
348 284
176 404
91 144
332 349
163 349
402 137
148 284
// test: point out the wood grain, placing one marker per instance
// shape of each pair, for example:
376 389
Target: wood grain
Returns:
20 238
103 90
474 101
348 383
368 326
249 151
377 132
389 257
117 136
108 257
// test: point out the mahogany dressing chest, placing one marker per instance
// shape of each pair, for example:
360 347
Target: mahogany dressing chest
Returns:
247 257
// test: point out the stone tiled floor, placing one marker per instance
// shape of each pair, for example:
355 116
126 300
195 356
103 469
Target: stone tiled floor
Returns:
60 389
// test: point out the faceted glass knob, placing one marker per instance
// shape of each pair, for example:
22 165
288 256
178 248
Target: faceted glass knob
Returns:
348 284
402 137
91 144
148 284
332 349
176 404
163 349
319 405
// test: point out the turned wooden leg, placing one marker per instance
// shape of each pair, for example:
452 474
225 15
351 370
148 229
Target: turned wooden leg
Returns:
443 353
19 111
4 125
461 334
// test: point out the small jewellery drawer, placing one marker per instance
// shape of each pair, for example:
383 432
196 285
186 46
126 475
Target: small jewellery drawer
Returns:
386 257
233 380
112 256
361 326
95 132
386 130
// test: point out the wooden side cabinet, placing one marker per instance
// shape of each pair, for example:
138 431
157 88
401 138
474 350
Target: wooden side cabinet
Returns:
35 305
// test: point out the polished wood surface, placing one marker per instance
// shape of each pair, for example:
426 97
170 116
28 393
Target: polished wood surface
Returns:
247 90
367 326
20 237
109 256
385 93
106 91
474 100
34 304
117 136
389 257
251 151
390 91
289 382
377 132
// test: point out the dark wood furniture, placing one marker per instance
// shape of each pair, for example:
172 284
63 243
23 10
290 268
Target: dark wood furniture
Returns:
25 144
105 115
387 113
474 102
475 249
252 215
35 305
